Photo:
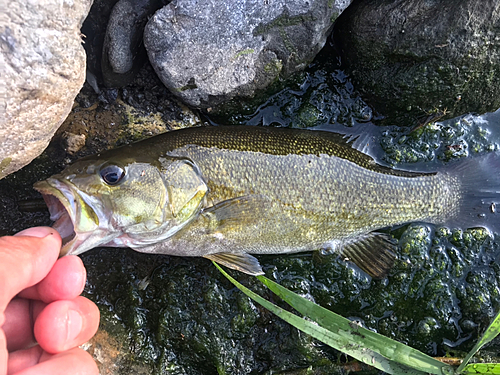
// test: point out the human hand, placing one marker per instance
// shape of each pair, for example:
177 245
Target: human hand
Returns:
42 317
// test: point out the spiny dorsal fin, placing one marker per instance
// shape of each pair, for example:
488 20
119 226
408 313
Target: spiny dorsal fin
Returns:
372 252
240 262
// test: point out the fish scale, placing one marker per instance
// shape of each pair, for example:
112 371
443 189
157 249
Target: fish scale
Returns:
337 186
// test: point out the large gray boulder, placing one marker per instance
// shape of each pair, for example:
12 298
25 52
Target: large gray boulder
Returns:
42 68
415 58
209 51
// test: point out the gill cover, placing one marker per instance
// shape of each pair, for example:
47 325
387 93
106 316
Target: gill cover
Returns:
186 189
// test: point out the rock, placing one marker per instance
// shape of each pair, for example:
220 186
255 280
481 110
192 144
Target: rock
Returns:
415 58
123 51
94 29
209 51
73 142
42 65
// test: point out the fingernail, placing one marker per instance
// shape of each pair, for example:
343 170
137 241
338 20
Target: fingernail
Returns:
39 232
74 325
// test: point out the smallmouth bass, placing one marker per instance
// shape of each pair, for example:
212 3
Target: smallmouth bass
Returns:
226 192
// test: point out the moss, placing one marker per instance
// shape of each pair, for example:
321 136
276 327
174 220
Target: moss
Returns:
274 67
3 165
281 22
244 52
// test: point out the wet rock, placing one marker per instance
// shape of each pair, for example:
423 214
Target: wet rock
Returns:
123 51
73 142
415 58
42 65
207 52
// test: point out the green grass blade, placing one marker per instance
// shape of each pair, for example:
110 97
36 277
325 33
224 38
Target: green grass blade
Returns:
491 332
388 348
340 339
482 368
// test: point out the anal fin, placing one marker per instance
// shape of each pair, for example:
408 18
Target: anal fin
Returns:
240 262
372 252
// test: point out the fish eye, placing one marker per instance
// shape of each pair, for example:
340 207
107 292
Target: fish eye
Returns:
112 174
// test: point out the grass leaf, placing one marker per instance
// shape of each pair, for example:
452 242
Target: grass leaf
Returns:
347 337
491 332
388 348
482 368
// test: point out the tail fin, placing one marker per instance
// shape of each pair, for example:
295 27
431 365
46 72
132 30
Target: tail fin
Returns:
480 205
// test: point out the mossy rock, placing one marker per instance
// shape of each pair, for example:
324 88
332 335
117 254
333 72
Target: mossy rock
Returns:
413 59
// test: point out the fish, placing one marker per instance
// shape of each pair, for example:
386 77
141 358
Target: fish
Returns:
227 192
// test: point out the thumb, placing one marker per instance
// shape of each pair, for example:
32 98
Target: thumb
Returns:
25 259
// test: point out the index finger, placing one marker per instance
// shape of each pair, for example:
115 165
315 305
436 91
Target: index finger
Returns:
25 259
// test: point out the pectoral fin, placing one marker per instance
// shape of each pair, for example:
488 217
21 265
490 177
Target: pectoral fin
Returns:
241 262
373 253
245 210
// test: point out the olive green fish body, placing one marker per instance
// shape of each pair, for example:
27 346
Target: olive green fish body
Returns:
300 202
231 191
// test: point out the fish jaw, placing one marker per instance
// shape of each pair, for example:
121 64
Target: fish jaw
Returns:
77 217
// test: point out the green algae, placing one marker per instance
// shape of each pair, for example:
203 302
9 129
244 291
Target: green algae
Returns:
191 320
438 141
407 80
274 67
244 52
282 22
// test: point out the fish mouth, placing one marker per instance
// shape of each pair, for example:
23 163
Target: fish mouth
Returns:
65 207
62 220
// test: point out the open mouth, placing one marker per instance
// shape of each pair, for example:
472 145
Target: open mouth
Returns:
74 218
62 220
60 204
